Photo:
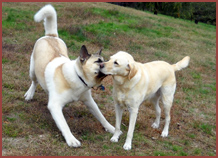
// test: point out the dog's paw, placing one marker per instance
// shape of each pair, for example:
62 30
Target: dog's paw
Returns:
155 125
127 146
116 136
73 143
164 134
114 139
28 96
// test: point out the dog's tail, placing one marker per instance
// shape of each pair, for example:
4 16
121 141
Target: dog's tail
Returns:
181 64
49 15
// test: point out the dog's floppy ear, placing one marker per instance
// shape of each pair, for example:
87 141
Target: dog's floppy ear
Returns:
132 71
99 52
84 55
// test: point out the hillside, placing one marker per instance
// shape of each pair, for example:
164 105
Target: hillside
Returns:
28 128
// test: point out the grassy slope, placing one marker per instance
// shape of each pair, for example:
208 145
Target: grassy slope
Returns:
28 128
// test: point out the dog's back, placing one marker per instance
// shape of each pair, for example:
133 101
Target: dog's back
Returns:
162 73
48 47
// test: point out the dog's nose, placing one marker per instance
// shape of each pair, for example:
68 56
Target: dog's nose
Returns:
101 65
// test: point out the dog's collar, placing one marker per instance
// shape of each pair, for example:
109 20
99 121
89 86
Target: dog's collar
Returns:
82 81
101 86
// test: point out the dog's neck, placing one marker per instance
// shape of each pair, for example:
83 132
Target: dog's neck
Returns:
80 73
83 81
119 80
124 82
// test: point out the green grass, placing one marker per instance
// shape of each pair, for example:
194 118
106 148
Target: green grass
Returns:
76 33
204 127
207 128
16 19
146 37
115 15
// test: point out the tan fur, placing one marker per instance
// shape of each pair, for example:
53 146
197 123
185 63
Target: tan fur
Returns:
52 35
132 71
60 81
89 64
45 50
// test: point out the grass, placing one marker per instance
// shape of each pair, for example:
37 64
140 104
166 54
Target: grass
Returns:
28 128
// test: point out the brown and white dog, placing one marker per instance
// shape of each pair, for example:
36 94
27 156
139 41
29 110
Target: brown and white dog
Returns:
63 79
134 82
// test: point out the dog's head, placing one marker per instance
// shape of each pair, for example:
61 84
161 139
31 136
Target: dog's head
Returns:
120 64
90 64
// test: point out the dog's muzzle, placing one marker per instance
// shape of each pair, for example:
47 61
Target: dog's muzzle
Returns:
101 65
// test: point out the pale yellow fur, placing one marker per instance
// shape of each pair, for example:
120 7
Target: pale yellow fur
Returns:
134 82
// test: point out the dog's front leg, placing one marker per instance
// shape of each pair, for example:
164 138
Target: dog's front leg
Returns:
93 108
118 132
133 116
57 114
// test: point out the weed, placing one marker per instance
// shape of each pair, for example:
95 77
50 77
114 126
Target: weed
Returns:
207 128
182 153
204 91
11 119
160 153
106 147
109 29
73 34
192 136
113 14
196 75
10 130
106 13
176 148
134 47
65 35
9 86
212 86
16 19
160 54
102 40
186 142
197 151
4 61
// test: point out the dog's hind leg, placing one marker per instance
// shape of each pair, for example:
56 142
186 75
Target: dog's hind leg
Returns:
30 93
167 99
55 109
155 101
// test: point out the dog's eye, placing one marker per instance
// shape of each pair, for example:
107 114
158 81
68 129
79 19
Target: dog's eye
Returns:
116 63
99 61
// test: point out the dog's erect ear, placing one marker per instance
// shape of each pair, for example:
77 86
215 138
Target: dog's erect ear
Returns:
99 52
132 71
84 55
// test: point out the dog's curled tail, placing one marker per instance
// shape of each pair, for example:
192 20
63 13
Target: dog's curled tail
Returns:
49 15
181 64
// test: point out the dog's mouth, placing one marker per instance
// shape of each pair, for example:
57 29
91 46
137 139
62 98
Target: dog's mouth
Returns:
105 73
101 75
